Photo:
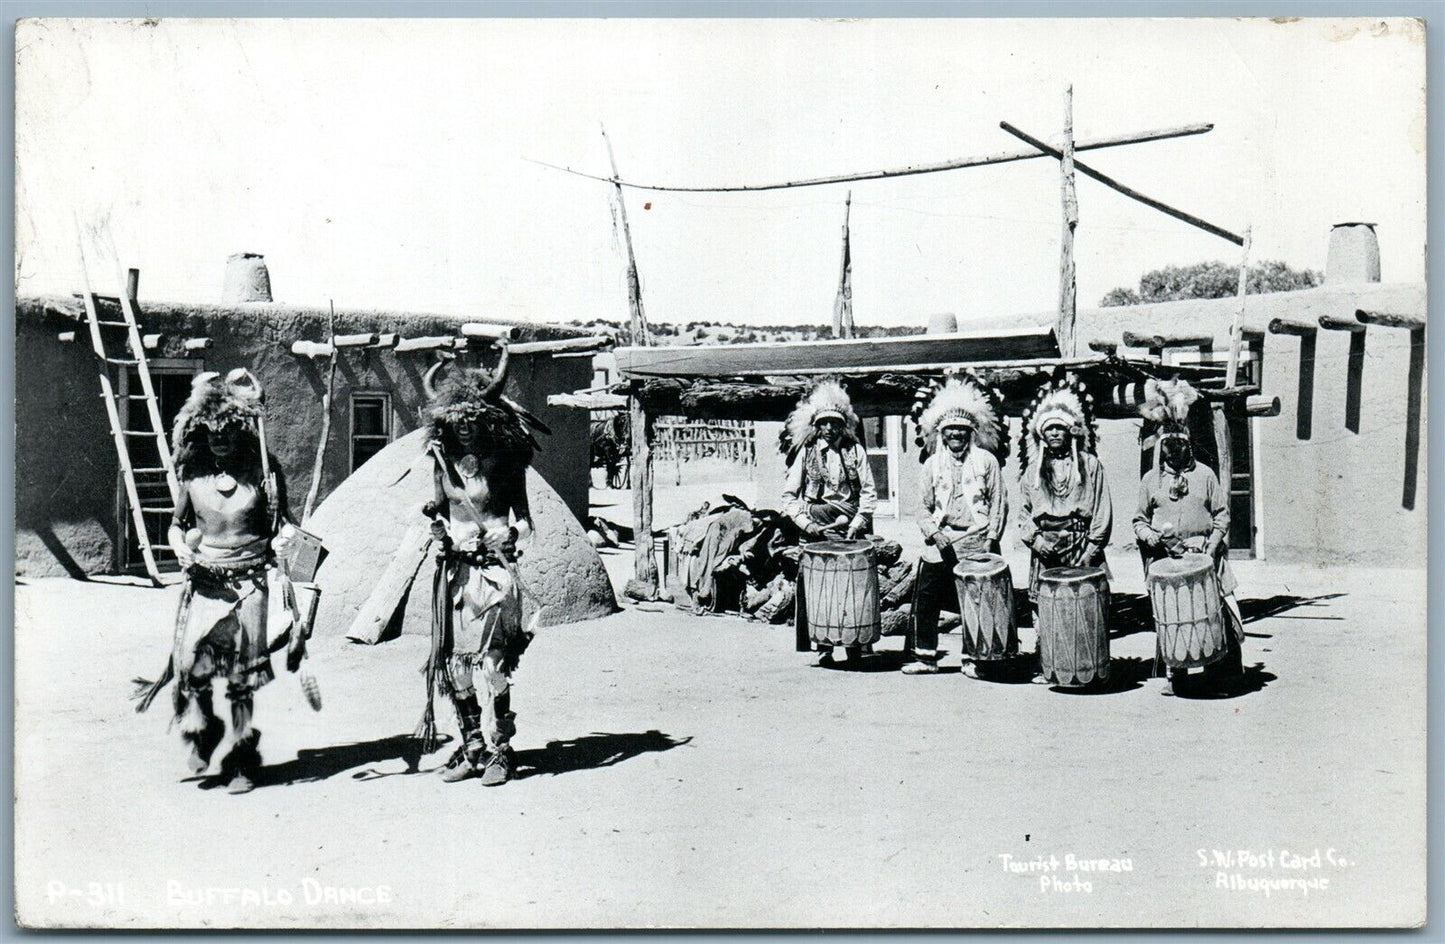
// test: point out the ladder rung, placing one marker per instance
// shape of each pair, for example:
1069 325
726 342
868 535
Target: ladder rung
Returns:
113 324
133 396
127 361
156 471
158 509
142 432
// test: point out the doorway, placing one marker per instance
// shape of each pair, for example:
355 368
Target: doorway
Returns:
171 379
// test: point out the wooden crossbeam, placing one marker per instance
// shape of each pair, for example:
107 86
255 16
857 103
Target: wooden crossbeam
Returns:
1001 157
1104 347
565 344
1300 329
430 343
1389 320
1160 341
1334 323
1127 191
478 329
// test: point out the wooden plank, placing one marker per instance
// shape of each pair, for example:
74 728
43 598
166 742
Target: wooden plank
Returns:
354 340
589 401
196 344
795 358
1389 320
380 606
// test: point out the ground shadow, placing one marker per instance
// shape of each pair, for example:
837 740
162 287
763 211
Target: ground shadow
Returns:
322 763
1258 608
592 751
1211 687
1126 673
888 660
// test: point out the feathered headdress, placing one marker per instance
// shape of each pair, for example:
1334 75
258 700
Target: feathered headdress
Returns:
1167 404
826 399
215 403
1066 401
961 398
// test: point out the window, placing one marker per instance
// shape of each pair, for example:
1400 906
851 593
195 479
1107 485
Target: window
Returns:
370 426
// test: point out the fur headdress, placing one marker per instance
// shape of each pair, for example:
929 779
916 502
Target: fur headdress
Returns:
473 395
826 399
961 398
215 403
1064 400
1167 403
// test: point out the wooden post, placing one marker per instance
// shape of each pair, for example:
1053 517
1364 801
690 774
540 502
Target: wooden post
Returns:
1067 300
843 306
644 557
316 467
132 284
1236 331
1224 450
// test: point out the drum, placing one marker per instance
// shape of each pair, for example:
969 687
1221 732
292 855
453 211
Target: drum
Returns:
1188 612
838 584
986 607
1072 604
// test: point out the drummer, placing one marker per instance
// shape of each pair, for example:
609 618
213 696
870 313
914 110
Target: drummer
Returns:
1182 506
829 493
1067 511
964 505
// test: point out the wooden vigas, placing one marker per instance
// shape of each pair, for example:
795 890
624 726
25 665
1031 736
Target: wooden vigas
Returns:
1073 627
986 607
1184 594
839 582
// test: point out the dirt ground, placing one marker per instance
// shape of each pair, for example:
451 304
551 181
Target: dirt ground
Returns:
696 771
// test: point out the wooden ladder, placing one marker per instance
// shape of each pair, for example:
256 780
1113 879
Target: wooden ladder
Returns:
133 477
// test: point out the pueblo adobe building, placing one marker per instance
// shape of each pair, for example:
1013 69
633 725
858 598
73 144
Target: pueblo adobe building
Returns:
72 516
1338 477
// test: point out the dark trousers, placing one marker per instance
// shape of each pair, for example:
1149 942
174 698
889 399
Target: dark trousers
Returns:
932 591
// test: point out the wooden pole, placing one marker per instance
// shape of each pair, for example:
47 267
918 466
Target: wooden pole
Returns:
325 420
1130 192
1001 157
843 306
1067 301
644 557
1236 330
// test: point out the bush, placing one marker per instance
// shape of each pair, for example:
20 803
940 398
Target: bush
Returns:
1211 280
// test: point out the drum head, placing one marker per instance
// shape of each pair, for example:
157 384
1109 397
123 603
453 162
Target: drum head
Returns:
1072 574
1181 566
838 548
979 565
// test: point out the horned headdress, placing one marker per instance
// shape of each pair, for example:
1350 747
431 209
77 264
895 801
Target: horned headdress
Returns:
1062 401
827 399
960 399
216 403
476 395
1167 403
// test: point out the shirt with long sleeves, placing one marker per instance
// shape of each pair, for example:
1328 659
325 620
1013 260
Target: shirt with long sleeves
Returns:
1088 503
839 477
964 499
1202 509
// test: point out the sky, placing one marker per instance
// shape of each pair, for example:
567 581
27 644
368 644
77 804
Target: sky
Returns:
388 163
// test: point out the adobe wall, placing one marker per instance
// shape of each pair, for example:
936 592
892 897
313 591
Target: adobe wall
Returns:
66 467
